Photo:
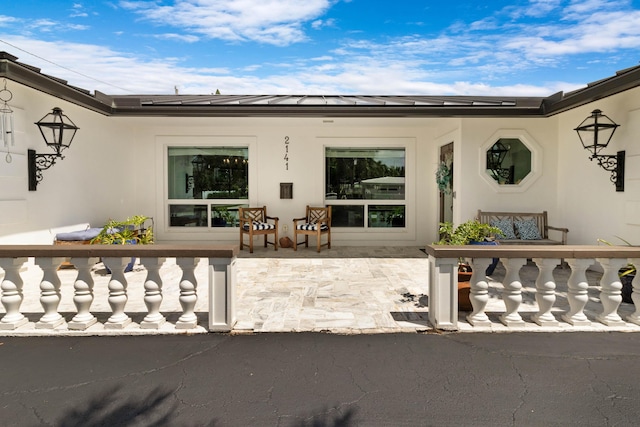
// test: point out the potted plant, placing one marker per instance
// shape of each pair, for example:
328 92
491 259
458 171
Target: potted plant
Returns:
467 233
131 231
626 274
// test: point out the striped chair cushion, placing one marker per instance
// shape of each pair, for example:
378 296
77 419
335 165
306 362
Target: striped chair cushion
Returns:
312 227
260 226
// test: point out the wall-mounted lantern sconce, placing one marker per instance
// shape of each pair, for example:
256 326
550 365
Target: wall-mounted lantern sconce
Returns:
7 133
595 132
58 131
199 165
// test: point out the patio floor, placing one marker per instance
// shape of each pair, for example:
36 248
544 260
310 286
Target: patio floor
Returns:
346 290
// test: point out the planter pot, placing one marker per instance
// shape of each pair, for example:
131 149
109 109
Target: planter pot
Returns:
464 289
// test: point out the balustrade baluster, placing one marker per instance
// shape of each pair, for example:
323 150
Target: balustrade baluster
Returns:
545 291
12 296
188 293
83 295
153 293
610 295
479 294
512 293
577 293
117 293
635 295
50 293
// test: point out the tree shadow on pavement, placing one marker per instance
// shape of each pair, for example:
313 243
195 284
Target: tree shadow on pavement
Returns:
113 408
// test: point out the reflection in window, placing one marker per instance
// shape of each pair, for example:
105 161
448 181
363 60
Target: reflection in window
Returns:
347 216
188 215
383 216
508 161
208 172
365 173
218 177
225 215
359 175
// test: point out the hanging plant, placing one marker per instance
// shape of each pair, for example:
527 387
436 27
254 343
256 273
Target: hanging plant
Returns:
444 176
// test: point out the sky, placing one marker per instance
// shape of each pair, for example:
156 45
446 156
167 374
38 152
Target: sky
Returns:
368 47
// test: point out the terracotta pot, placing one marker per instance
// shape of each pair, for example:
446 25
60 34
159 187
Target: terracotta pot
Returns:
285 242
464 289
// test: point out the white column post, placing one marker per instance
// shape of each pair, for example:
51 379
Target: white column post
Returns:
479 294
221 294
153 293
12 293
545 291
610 295
188 293
512 293
635 295
443 293
117 293
578 291
50 292
83 295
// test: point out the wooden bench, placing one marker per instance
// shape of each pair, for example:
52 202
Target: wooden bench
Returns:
538 218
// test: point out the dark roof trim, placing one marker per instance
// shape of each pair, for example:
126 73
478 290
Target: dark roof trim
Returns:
315 105
33 78
623 80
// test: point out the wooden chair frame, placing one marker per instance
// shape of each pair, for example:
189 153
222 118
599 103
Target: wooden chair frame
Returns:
250 216
318 216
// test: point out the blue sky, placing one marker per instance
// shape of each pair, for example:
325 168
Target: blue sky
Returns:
376 47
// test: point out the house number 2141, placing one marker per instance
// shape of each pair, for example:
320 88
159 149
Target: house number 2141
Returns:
286 153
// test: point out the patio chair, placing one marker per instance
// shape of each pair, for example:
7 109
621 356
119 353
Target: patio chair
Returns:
316 223
254 222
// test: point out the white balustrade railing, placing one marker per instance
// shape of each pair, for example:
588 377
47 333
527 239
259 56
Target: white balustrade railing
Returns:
221 282
443 295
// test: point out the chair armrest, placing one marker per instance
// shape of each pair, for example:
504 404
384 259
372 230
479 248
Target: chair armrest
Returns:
299 219
275 218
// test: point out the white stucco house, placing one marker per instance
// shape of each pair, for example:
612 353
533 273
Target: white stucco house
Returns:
184 159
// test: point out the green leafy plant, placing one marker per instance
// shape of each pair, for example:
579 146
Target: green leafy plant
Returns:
465 233
630 269
130 231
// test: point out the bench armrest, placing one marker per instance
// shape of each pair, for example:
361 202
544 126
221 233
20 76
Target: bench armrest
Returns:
561 229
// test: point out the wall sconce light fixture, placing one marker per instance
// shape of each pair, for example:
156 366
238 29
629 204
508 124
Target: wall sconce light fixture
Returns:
58 131
7 133
595 132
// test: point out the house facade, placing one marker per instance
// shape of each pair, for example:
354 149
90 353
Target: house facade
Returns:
189 161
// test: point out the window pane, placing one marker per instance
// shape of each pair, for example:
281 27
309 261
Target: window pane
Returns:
365 173
386 216
208 172
188 215
347 216
225 215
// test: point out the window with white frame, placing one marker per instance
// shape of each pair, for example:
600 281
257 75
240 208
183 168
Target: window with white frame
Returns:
366 186
207 185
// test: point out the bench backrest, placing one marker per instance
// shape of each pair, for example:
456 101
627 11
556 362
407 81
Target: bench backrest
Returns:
539 217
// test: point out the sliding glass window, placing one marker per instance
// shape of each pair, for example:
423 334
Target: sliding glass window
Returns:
216 179
356 176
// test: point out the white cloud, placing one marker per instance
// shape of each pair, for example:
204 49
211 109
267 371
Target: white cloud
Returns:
276 22
179 37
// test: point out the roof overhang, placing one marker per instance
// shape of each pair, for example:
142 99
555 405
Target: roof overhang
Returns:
354 106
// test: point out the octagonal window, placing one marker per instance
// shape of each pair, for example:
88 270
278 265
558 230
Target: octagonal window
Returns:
508 161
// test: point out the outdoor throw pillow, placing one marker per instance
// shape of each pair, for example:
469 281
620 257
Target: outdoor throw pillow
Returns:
506 227
528 229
